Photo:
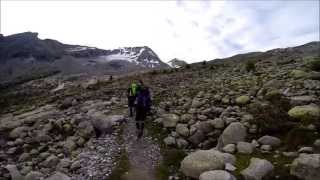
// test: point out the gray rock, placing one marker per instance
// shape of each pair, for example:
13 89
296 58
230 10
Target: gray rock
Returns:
14 173
229 148
266 148
306 150
306 166
197 138
185 118
18 132
58 176
317 143
170 120
75 165
245 148
302 100
217 123
34 175
200 161
170 141
205 127
105 123
183 130
230 167
216 175
258 169
51 161
234 133
270 140
69 145
181 143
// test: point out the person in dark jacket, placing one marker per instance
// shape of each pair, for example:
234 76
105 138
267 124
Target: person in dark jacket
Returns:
143 104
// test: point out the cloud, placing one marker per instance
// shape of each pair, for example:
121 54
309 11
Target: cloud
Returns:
189 30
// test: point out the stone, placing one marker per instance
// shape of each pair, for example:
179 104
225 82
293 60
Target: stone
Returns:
258 169
201 161
181 143
302 100
51 161
104 123
290 154
18 132
229 148
216 175
217 123
306 112
306 150
297 74
34 175
75 165
169 141
14 173
196 103
242 100
170 120
234 133
185 118
69 145
58 176
63 164
306 166
270 140
230 167
266 148
245 148
205 127
317 143
197 138
183 130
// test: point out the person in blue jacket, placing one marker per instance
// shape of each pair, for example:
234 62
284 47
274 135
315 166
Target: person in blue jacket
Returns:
143 104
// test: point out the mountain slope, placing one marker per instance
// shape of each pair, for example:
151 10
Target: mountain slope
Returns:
24 54
177 63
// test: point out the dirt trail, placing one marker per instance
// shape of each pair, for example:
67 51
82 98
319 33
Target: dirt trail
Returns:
143 154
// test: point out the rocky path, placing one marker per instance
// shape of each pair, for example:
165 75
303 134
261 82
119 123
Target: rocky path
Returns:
99 159
143 154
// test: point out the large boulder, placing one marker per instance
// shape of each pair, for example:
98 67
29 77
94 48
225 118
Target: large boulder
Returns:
104 123
306 112
216 175
201 161
257 170
234 133
269 140
170 120
306 166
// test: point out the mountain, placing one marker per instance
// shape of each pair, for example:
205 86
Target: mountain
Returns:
176 63
25 54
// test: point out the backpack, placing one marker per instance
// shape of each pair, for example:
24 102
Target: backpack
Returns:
133 89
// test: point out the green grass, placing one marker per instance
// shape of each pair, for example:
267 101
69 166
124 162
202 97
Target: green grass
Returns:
243 161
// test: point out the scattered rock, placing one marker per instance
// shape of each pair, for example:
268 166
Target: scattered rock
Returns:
15 174
258 169
58 176
170 120
216 175
270 140
234 133
245 148
200 161
306 166
34 175
243 100
229 148
306 112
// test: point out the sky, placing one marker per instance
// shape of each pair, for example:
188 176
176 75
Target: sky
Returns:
189 30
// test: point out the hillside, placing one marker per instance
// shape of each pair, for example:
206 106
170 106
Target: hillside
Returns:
24 56
250 116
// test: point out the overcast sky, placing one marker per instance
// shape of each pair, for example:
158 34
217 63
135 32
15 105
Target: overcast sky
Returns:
189 30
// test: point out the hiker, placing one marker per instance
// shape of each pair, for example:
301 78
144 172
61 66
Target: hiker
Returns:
132 94
143 104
